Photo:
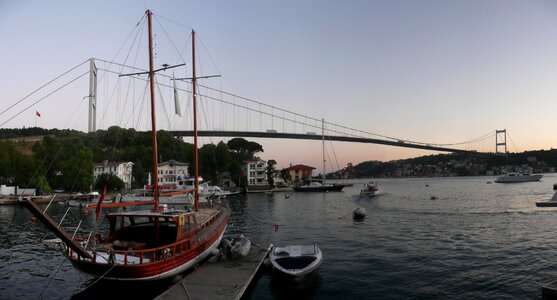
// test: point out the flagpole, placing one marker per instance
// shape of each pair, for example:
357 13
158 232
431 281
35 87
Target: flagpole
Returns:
276 234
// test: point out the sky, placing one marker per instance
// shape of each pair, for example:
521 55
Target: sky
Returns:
430 71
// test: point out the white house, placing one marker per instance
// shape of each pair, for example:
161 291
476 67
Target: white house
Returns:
122 170
172 174
254 170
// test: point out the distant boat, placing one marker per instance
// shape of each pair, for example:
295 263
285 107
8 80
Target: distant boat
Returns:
315 186
319 187
371 189
87 199
550 203
518 177
296 262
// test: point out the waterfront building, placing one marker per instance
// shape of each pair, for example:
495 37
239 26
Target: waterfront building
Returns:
299 173
172 173
254 170
122 170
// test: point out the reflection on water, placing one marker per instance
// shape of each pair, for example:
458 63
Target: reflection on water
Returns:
285 289
421 238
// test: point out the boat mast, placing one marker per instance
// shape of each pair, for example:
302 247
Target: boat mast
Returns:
153 119
323 141
196 157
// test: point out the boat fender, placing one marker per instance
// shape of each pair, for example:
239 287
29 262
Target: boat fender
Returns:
110 257
181 220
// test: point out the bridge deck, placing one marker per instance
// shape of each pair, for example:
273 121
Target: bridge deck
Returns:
278 135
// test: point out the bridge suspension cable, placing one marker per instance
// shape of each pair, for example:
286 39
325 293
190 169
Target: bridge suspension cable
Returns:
284 115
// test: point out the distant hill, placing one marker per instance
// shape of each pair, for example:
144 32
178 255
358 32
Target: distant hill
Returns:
14 133
454 164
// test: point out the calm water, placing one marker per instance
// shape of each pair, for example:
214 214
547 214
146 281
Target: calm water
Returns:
476 240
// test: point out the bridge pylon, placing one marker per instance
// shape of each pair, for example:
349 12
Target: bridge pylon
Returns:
498 144
92 96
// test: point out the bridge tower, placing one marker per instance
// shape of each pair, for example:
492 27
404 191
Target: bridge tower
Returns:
92 96
501 134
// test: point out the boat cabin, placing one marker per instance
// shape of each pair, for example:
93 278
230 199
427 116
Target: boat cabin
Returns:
149 229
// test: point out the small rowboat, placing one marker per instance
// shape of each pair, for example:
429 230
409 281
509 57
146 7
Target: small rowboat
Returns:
296 262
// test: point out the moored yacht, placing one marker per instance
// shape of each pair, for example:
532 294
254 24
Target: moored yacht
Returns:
518 177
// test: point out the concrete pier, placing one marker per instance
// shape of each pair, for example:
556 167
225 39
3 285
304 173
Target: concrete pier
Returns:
228 279
549 291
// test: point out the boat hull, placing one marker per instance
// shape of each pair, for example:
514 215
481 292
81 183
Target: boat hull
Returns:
134 270
366 193
323 188
296 268
518 178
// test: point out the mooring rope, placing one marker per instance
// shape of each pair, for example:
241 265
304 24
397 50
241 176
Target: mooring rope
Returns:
94 282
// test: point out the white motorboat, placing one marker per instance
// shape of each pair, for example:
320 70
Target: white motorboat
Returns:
371 189
518 177
296 262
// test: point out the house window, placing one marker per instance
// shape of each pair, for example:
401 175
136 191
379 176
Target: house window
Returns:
252 181
252 166
251 173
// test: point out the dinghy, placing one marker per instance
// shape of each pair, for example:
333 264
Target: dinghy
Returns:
237 246
296 262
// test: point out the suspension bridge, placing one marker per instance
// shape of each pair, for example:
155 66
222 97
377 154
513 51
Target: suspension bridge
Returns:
122 101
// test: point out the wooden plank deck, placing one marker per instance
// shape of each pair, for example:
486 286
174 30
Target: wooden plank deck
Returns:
219 280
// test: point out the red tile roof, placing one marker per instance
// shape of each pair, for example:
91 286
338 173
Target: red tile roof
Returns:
300 168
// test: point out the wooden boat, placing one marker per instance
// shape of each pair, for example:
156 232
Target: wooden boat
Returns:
147 245
296 262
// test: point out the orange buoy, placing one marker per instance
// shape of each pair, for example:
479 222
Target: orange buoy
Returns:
33 219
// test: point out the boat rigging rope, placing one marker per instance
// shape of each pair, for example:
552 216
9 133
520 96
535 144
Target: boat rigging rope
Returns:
52 277
44 85
122 66
41 99
94 282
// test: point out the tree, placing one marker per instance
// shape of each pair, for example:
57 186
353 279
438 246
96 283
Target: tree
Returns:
207 162
270 171
113 183
222 156
285 174
243 148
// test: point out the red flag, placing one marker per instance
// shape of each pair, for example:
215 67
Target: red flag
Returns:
276 228
38 113
99 204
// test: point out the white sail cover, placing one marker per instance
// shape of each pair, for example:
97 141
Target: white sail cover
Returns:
176 101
